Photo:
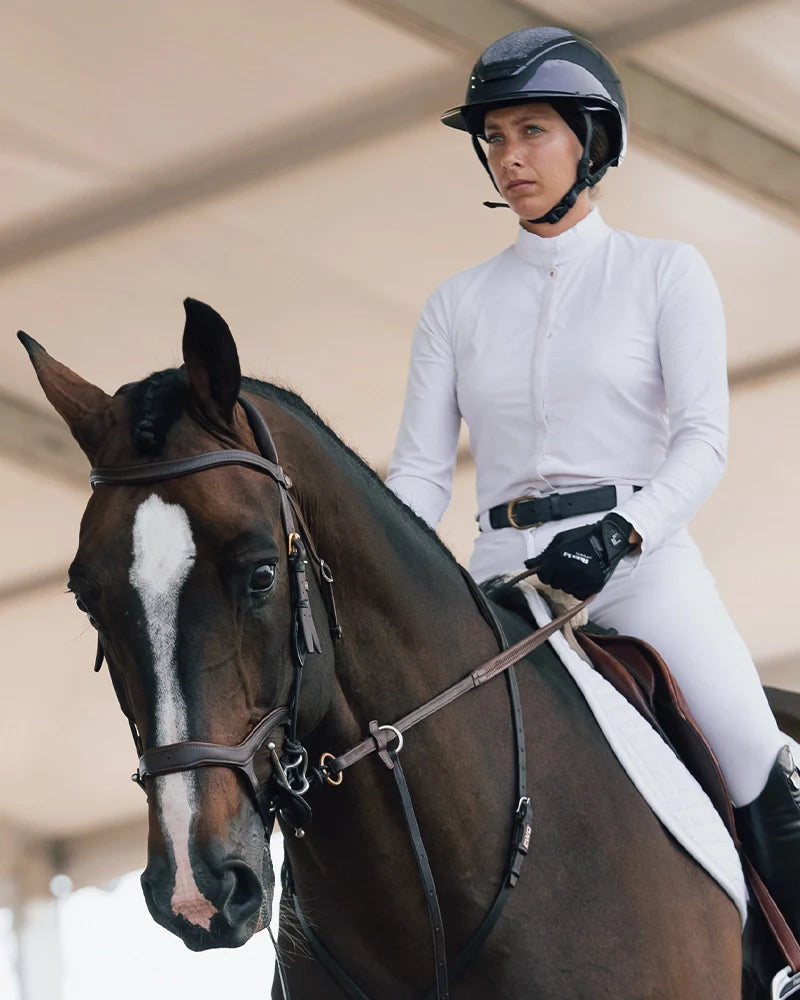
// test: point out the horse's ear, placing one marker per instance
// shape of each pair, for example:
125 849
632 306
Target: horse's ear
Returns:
212 361
82 406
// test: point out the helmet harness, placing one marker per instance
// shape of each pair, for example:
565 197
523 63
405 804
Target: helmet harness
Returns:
585 177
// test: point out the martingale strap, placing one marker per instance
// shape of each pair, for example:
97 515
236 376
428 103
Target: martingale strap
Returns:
481 675
379 740
431 897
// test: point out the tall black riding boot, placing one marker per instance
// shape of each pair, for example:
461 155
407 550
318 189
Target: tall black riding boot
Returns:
769 828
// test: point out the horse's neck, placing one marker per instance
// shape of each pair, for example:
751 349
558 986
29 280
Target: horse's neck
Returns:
412 626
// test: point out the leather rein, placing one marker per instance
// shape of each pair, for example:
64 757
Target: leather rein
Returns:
291 778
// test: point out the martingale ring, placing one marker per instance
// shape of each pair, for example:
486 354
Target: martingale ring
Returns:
398 734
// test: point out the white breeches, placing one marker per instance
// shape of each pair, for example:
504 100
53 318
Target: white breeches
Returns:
669 599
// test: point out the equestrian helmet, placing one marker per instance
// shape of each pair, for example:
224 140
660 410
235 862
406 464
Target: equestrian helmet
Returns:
539 64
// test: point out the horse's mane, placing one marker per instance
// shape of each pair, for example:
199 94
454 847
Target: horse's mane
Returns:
299 408
158 400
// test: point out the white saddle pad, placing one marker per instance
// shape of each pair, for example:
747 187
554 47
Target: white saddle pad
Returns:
671 792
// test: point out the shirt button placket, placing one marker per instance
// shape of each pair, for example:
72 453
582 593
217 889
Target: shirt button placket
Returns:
539 374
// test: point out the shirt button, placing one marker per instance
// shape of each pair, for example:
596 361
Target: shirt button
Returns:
553 273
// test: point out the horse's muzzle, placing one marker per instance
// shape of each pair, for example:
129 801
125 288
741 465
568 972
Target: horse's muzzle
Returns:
221 905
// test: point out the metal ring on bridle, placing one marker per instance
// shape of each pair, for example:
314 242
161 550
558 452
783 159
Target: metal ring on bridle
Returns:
295 771
293 539
398 734
331 781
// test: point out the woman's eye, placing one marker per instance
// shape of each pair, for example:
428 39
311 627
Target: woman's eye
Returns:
263 578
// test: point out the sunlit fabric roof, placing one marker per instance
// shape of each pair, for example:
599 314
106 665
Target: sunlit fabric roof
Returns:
284 162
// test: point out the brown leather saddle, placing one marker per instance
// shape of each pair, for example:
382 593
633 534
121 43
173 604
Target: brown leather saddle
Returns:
637 671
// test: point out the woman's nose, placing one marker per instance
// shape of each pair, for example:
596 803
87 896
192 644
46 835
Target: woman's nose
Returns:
511 156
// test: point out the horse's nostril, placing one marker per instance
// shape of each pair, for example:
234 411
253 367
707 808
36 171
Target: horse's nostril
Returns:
241 891
152 878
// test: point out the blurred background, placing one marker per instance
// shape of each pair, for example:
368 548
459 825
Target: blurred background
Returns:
284 162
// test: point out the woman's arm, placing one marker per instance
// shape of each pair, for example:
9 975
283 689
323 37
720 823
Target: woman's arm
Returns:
691 345
421 467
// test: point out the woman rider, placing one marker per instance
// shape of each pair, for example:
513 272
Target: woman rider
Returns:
589 365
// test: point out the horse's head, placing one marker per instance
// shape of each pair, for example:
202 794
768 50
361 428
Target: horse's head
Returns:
192 571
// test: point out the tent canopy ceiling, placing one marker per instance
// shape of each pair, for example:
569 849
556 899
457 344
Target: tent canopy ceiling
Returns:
285 163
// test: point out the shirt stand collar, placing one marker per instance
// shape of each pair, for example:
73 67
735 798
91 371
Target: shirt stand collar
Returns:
574 242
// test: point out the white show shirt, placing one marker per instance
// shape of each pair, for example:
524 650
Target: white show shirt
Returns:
577 360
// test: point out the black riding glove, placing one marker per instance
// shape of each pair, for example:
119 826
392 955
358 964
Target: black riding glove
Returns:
581 560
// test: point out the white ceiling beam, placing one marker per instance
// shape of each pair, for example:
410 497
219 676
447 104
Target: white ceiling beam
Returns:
667 118
474 24
48 580
764 370
39 439
715 142
210 173
648 23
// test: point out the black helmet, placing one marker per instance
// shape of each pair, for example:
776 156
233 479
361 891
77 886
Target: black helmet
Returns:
549 64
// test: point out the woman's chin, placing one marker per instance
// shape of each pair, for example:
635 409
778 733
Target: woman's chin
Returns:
527 207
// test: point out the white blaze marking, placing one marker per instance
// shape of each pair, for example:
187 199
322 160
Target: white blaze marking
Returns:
163 555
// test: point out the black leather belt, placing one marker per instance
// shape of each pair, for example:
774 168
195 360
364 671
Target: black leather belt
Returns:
528 512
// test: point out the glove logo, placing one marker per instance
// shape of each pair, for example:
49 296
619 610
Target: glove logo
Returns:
579 556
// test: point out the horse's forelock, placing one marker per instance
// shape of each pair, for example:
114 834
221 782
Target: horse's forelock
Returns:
155 405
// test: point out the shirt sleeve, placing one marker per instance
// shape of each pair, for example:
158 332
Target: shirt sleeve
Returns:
692 351
424 457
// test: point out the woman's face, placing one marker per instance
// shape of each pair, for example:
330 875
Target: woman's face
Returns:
533 155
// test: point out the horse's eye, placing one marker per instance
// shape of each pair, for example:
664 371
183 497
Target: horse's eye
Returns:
90 617
263 578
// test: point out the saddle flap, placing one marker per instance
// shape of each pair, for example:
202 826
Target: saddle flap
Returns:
637 687
637 671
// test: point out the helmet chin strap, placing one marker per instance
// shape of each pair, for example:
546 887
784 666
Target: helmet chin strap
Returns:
585 178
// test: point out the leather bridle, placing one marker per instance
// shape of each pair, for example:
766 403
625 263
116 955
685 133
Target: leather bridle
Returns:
284 792
289 770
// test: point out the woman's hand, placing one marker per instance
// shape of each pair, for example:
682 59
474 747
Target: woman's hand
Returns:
581 560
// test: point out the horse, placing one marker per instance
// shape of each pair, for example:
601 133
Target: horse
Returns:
202 571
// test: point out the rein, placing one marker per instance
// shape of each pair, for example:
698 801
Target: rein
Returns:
377 741
381 735
290 769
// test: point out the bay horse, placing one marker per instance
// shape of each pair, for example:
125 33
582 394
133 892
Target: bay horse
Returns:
193 571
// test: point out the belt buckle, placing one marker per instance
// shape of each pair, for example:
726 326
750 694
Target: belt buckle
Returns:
510 513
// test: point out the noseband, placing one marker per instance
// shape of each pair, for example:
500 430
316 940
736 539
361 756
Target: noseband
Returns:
289 769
